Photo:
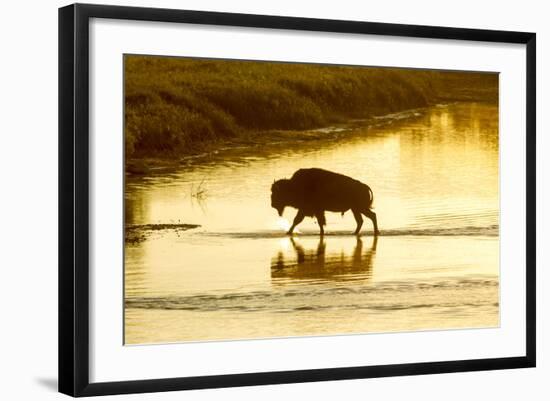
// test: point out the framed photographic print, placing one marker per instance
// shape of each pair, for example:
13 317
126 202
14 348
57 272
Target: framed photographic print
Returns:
249 199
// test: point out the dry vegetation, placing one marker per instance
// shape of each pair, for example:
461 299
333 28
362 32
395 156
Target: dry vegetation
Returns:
178 106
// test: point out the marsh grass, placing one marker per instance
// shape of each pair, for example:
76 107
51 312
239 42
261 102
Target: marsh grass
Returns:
199 192
179 106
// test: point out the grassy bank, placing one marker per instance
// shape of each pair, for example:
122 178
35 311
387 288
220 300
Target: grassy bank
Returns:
176 106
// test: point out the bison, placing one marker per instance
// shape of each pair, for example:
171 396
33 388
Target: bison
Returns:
313 191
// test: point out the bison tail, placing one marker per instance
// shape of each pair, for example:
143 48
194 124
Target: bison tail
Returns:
371 198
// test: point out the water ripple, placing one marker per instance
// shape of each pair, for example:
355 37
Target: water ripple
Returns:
381 297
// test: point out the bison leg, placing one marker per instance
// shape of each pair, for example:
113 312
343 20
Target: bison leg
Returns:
371 215
321 220
358 219
297 220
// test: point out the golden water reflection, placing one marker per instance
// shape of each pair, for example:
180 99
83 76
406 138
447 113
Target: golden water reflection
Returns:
435 178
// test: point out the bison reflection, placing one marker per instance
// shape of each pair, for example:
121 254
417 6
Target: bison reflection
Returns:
316 264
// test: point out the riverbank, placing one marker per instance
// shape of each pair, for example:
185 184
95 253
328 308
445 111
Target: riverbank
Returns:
269 142
251 145
177 107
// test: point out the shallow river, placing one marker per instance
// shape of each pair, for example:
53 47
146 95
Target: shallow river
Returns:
434 174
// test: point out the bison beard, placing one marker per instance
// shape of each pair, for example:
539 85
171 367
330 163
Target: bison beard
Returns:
314 191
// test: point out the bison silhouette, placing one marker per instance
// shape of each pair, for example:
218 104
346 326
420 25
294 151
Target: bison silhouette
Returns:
313 191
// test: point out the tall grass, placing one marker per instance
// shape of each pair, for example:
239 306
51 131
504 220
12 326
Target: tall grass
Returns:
178 106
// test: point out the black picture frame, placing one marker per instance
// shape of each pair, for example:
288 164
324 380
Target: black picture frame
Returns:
74 193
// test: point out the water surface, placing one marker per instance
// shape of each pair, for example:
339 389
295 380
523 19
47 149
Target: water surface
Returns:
434 174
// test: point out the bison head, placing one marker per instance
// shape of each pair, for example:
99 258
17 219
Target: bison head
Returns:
280 193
